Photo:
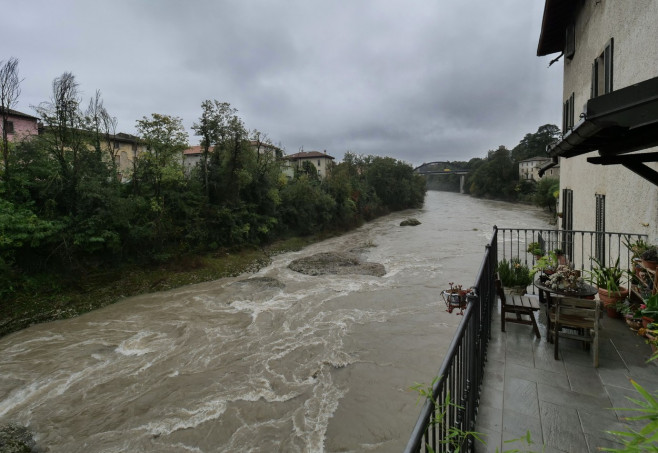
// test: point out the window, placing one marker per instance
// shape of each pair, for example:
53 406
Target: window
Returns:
319 162
10 127
600 227
568 115
117 145
602 71
570 42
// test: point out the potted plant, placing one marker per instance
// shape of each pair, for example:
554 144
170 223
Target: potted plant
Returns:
650 257
651 333
636 248
649 310
608 280
514 275
455 297
561 259
534 248
564 278
546 265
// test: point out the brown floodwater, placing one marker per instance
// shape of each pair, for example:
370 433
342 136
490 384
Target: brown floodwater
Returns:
272 361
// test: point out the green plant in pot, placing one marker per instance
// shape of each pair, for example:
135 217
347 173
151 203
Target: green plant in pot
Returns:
650 257
608 280
514 274
637 248
546 265
559 254
649 310
534 248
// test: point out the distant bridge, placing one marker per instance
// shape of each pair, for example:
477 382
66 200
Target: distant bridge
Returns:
443 168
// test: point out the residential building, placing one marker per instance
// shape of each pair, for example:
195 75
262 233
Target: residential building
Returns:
126 148
607 153
192 155
529 169
20 125
320 160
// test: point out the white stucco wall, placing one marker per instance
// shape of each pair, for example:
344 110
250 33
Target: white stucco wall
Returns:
631 201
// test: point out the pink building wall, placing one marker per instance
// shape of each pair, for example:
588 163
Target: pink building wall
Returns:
24 126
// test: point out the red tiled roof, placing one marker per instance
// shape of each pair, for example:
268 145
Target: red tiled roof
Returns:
195 150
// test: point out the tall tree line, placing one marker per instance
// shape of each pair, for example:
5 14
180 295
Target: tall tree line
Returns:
63 208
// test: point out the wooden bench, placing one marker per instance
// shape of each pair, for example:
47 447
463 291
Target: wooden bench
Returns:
581 317
518 306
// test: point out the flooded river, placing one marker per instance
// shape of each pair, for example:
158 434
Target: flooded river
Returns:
272 361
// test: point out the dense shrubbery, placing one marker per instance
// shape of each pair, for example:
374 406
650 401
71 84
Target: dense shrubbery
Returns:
63 208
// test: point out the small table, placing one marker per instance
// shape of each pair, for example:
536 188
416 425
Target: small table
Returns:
582 292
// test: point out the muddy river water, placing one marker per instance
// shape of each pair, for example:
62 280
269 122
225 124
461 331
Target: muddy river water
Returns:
272 361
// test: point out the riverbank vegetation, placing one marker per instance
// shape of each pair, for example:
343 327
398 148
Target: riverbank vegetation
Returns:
76 234
497 175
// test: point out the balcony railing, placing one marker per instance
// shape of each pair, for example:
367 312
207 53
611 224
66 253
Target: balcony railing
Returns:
460 375
578 246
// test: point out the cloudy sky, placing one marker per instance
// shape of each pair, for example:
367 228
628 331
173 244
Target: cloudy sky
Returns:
418 80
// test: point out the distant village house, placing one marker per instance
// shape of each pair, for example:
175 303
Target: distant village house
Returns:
19 125
320 160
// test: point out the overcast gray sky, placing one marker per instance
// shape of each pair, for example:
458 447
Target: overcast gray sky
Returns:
419 81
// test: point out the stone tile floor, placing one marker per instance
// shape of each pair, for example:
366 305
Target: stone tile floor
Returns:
567 404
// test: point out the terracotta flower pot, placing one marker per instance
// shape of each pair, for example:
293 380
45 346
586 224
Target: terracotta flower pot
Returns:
612 311
646 321
649 264
612 297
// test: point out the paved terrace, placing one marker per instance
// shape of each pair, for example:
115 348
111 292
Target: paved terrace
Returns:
565 404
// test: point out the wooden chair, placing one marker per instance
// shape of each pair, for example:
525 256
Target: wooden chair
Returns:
581 317
517 306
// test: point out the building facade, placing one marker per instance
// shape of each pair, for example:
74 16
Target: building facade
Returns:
529 169
607 153
126 148
20 126
320 160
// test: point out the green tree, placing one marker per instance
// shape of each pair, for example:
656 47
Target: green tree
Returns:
495 177
165 140
546 193
533 145
212 128
10 89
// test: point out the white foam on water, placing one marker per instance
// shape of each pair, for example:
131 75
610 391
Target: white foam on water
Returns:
316 412
182 418
137 345
27 345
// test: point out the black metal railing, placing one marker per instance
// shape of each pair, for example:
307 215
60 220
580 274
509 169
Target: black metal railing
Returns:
579 246
460 376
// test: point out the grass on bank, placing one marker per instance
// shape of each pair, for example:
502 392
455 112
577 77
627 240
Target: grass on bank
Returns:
50 297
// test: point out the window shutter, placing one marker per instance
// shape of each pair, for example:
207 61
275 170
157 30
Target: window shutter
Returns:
607 57
593 93
571 110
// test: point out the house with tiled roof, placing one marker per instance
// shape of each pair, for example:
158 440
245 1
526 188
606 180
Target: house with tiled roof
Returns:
19 125
320 160
529 169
